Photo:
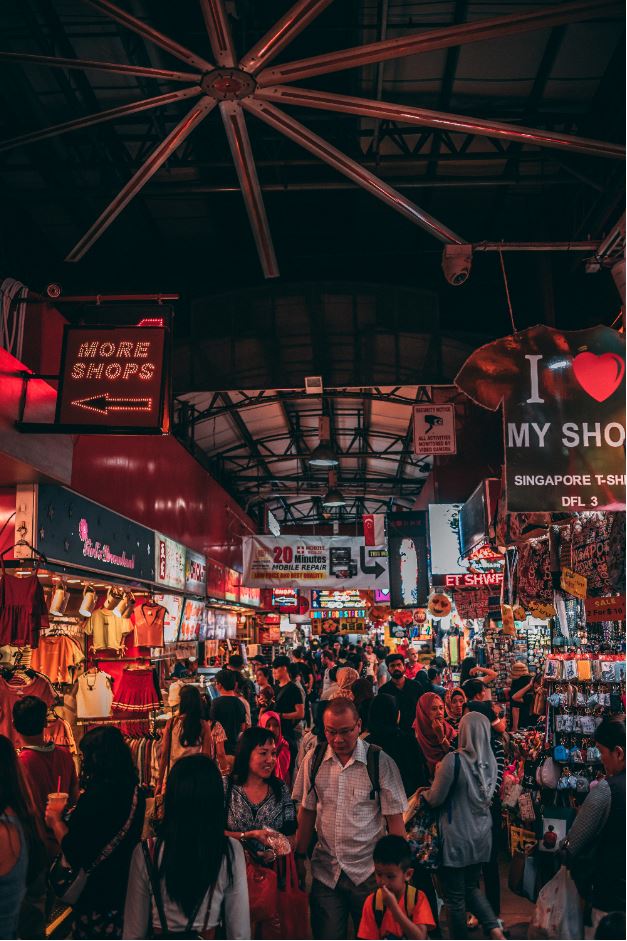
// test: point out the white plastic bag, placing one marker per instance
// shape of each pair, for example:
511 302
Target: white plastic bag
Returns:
558 911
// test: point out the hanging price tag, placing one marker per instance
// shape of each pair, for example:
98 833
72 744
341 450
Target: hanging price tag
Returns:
574 584
605 609
541 611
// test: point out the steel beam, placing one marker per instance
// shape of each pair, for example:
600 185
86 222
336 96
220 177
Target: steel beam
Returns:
219 30
158 157
282 33
328 101
435 39
151 34
87 65
350 168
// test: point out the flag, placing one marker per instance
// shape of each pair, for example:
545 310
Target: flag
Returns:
374 529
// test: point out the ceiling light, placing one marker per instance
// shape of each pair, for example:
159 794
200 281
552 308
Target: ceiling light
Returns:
323 456
89 601
333 498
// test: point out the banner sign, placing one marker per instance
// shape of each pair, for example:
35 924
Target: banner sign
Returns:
193 620
407 550
215 579
173 605
374 528
434 429
338 600
250 596
563 398
605 609
195 573
113 379
305 561
73 530
169 562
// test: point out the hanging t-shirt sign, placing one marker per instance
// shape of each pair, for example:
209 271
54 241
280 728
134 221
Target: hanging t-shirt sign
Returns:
563 397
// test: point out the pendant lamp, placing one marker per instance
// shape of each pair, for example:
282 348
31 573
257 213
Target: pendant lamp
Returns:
60 599
89 601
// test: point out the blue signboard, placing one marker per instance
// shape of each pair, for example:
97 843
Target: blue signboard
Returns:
76 531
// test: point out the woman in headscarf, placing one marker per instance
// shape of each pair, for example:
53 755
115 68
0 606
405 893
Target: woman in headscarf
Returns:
433 733
346 676
464 783
402 747
454 701
272 721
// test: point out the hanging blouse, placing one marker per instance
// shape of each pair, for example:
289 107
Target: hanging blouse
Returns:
23 610
107 630
94 696
149 621
15 689
56 657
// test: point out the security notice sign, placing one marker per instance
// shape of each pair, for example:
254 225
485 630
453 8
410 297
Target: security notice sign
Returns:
314 561
113 379
434 429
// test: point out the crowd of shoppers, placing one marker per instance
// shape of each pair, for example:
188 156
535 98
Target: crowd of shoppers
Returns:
311 777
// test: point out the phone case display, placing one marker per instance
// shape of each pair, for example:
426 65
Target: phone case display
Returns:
94 695
137 691
173 605
192 620
501 653
533 643
149 620
107 630
57 657
23 611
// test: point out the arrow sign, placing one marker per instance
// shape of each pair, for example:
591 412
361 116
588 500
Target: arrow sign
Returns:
375 569
103 404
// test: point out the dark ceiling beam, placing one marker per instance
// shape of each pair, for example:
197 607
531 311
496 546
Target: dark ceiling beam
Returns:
251 443
446 87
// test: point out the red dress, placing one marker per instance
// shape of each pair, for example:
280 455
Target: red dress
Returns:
23 610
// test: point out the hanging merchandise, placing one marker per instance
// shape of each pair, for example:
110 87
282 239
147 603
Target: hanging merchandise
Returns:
137 692
57 657
439 605
94 695
590 551
107 629
15 684
616 554
563 398
533 581
149 620
23 610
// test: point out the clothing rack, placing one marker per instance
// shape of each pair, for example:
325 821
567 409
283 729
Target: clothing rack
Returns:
111 721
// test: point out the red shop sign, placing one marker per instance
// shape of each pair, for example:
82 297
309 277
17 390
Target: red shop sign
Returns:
605 609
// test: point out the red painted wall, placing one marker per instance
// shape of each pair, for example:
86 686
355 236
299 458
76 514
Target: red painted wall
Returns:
156 482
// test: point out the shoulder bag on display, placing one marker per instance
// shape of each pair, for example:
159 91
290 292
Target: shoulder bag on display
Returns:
149 851
68 882
423 831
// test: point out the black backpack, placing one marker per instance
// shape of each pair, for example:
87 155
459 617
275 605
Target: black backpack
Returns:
373 756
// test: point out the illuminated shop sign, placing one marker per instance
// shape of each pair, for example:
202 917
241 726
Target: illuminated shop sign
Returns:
195 573
169 562
469 580
337 600
113 378
337 613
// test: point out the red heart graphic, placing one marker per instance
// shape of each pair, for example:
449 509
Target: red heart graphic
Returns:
599 376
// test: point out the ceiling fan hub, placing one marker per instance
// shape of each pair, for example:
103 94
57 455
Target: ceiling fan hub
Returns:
228 84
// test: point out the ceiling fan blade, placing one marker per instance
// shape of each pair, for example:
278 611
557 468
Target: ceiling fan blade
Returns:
430 40
406 114
282 33
329 154
121 67
151 34
156 159
239 142
134 107
219 30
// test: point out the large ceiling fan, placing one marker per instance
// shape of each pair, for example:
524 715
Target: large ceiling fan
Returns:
250 84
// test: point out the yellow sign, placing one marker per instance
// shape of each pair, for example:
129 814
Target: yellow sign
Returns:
573 583
541 611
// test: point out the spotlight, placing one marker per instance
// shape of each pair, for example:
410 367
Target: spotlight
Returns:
456 263
333 498
322 456
89 601
112 599
59 601
53 291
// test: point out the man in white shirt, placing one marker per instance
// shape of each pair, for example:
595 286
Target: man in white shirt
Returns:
328 662
349 815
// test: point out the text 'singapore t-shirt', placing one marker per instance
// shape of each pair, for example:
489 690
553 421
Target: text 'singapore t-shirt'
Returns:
563 396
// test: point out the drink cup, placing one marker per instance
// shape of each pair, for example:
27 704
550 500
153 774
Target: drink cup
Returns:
57 801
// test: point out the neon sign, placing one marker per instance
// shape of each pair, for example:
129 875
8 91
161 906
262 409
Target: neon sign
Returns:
113 377
472 580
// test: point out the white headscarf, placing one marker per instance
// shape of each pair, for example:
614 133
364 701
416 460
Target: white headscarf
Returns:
477 758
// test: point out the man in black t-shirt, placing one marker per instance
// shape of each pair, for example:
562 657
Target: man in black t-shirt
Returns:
405 692
245 687
228 709
288 699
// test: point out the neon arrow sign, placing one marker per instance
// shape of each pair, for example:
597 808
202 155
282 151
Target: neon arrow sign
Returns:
103 404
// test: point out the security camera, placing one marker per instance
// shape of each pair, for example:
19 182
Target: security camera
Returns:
53 291
456 263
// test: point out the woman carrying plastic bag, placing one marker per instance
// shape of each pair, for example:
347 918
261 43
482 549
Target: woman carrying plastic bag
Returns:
558 911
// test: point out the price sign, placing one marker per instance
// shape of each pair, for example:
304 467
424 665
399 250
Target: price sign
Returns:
605 609
541 611
573 583
113 379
